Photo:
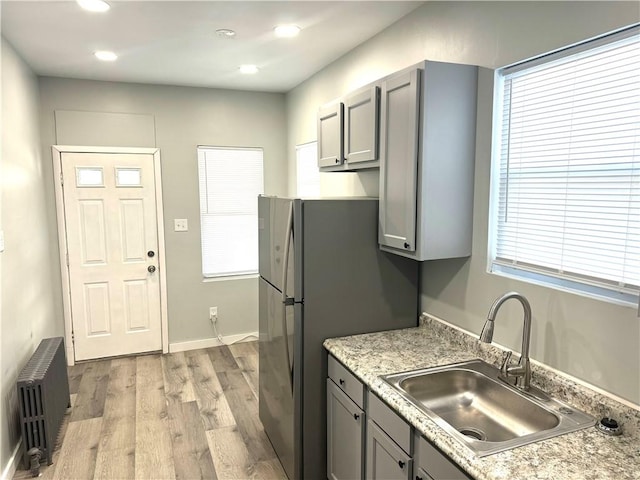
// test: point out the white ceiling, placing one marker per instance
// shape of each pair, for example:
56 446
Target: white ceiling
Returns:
174 42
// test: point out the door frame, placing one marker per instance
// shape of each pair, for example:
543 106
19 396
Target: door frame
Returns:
56 153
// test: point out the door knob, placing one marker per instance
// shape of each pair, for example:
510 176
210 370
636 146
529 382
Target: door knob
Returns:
151 254
151 269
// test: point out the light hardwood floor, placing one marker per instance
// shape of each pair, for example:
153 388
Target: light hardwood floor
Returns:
185 415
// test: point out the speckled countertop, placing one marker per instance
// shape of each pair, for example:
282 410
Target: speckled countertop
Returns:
586 454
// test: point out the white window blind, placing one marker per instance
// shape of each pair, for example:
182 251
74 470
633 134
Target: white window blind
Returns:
230 181
307 172
567 168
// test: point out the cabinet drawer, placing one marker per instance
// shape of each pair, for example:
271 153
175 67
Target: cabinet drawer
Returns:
390 422
436 464
346 381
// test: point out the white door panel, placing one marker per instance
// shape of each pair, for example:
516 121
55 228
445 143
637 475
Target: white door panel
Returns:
93 247
97 312
111 225
136 305
133 235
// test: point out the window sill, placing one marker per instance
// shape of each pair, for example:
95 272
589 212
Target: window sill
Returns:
622 299
229 278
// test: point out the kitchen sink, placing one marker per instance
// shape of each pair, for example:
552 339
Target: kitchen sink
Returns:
473 403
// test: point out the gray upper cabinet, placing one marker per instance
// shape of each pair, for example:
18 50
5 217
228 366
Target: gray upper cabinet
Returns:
427 155
330 131
361 125
358 138
399 170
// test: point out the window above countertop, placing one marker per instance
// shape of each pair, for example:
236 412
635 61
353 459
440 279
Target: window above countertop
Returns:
565 202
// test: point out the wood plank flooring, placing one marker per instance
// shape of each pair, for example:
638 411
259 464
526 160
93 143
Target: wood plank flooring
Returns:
185 415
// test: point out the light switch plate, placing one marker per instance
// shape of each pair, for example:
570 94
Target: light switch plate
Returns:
180 225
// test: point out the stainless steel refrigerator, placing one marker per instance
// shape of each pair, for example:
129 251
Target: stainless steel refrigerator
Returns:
321 275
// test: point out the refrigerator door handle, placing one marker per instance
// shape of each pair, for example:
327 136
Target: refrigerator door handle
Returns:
287 300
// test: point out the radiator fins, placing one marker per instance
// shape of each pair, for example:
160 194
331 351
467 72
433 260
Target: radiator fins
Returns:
43 395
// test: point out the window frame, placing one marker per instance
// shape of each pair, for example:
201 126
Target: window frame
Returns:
623 296
218 276
303 148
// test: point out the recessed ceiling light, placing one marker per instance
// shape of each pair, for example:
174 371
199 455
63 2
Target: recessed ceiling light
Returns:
94 5
286 31
105 56
225 33
248 69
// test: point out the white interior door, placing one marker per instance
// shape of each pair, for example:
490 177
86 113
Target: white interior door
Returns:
112 247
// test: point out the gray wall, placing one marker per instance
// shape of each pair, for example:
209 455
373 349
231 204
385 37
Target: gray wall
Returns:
595 341
184 118
28 304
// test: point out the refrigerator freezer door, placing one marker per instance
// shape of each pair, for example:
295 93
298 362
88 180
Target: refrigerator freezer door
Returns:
275 226
276 325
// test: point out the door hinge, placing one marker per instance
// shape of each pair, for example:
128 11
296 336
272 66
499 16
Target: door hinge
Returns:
67 259
61 179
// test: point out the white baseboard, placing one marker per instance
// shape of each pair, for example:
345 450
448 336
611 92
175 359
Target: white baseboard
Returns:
12 465
211 342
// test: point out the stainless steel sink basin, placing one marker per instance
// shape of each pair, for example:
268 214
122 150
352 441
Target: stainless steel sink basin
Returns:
473 403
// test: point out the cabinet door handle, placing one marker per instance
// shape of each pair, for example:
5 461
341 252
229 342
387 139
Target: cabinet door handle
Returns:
356 416
401 464
341 382
418 478
406 245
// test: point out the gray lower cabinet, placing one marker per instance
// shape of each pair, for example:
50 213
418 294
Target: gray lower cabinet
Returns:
389 440
385 459
367 439
345 435
420 474
430 464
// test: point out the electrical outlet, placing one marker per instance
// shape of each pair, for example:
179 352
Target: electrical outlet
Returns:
180 225
213 314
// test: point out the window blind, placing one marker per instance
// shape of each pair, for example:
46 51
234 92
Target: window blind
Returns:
568 166
307 172
230 181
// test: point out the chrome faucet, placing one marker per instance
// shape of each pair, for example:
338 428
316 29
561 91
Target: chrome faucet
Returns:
521 371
